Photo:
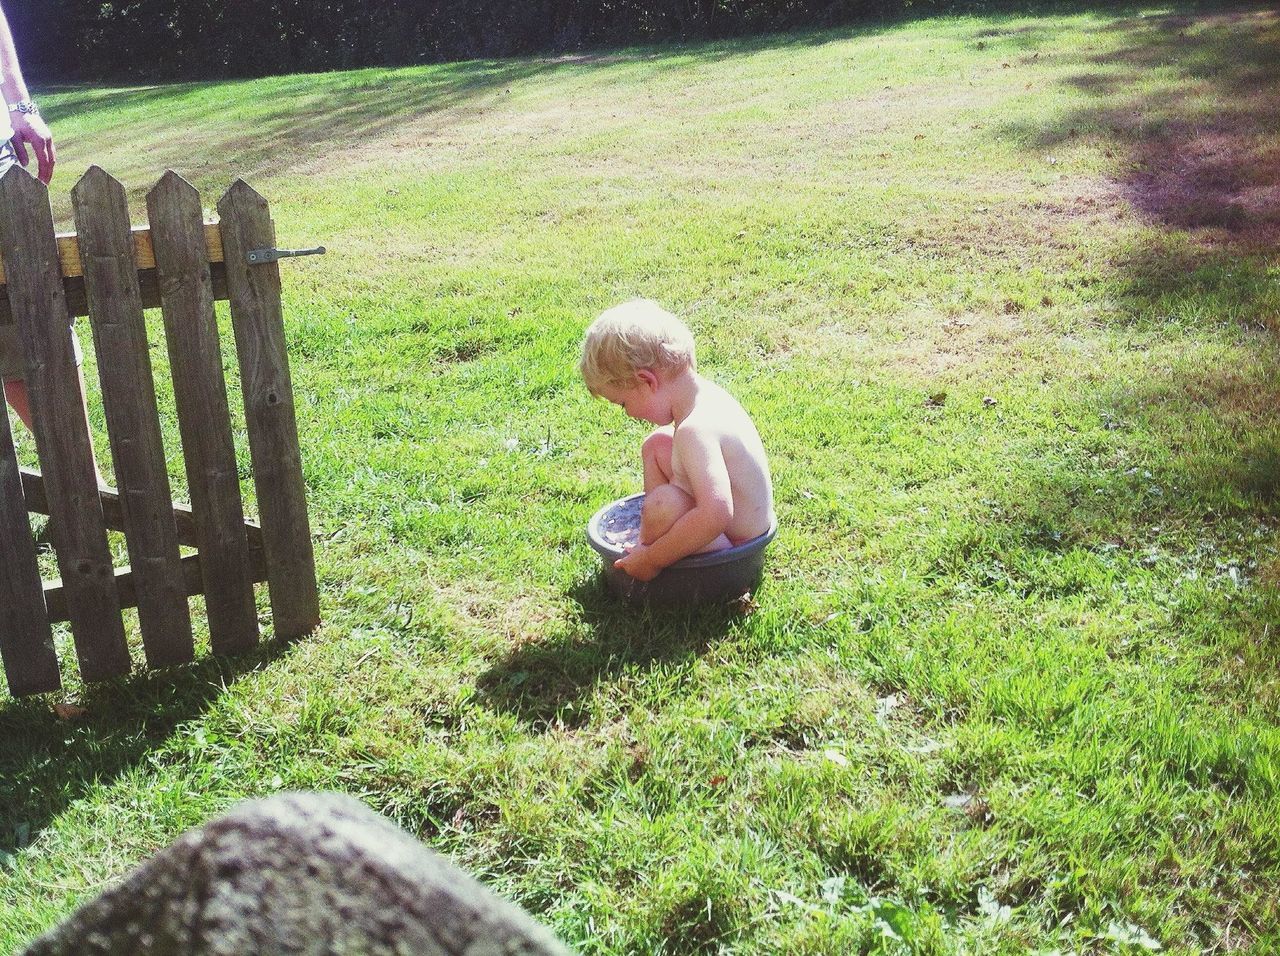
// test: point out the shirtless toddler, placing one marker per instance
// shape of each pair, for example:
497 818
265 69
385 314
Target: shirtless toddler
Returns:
706 477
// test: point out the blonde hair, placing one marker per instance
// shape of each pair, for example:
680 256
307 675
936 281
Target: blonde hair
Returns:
631 336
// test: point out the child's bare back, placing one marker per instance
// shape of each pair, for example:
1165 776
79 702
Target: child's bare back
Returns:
718 418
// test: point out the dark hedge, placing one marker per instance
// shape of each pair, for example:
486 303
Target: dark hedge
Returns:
79 40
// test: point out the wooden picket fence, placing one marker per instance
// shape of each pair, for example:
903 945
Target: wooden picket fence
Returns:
110 271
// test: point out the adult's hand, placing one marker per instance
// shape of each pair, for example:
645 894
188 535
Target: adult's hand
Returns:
30 129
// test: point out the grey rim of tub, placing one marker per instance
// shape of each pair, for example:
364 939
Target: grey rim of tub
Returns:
700 578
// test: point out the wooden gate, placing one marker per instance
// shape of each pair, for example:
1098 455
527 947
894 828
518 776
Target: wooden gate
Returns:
110 272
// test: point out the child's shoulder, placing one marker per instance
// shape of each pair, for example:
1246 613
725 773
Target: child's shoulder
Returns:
717 411
712 394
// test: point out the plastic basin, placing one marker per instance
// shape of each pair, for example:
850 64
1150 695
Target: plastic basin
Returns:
698 579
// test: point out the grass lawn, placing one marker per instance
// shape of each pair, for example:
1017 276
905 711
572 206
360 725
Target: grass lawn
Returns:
1001 295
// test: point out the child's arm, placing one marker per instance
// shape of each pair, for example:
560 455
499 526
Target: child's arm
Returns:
704 464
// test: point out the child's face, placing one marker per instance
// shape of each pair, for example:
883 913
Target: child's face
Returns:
642 399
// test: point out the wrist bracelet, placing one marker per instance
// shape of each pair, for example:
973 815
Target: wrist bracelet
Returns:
24 106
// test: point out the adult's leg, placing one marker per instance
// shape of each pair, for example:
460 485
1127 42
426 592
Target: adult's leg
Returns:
13 365
15 390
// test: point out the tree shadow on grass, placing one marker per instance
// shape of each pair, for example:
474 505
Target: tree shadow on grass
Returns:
1194 101
214 132
1195 169
277 126
548 684
1205 168
48 762
1188 107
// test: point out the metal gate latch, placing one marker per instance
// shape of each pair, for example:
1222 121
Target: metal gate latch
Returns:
259 256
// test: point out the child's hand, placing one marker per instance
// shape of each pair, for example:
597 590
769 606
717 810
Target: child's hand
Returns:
638 564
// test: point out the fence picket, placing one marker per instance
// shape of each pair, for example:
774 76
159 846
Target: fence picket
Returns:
111 271
34 280
26 640
258 321
107 251
113 512
191 331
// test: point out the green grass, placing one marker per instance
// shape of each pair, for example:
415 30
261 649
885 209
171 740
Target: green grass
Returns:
1011 681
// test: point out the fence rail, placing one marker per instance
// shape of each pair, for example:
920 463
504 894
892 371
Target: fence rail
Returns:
111 271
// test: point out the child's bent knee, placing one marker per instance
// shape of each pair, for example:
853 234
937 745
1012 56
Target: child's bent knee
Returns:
663 507
668 500
655 452
659 443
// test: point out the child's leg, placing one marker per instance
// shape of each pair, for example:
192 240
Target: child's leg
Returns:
656 455
663 507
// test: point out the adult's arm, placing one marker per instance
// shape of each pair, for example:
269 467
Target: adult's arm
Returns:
28 128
